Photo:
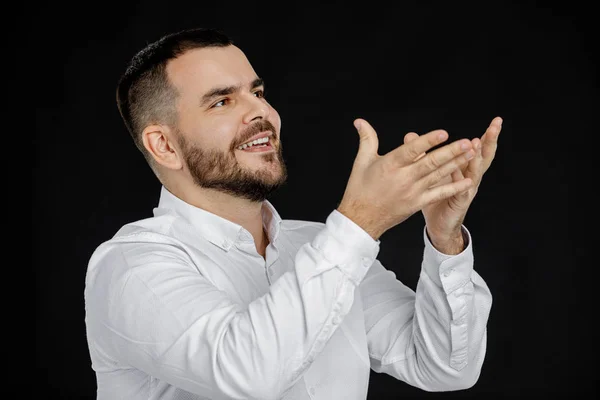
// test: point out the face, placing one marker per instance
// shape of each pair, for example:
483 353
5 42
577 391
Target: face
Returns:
221 106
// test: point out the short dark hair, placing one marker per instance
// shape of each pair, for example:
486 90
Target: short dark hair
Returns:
144 93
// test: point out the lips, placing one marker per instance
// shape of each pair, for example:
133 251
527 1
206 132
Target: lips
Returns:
259 148
259 136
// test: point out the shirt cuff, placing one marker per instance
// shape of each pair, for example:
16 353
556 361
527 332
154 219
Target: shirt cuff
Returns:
345 244
448 271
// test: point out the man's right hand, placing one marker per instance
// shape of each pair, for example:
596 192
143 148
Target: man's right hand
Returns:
384 191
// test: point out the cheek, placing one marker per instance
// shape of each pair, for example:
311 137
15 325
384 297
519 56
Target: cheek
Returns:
219 134
206 140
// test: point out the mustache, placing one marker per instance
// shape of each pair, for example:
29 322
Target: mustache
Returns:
256 128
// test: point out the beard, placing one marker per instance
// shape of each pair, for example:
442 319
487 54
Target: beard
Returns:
213 169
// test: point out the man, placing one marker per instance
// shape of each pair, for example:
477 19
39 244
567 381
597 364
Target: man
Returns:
217 297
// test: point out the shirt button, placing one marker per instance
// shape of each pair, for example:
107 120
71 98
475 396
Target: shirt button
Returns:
312 391
336 320
448 272
366 262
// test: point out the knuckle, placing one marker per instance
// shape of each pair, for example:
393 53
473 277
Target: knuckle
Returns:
443 172
411 152
442 194
433 161
435 176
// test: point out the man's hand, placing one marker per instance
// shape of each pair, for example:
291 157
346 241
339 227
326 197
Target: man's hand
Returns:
444 218
383 191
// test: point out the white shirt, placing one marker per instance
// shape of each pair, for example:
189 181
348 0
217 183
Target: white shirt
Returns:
181 306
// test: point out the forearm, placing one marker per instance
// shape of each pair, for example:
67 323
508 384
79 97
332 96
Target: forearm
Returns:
439 343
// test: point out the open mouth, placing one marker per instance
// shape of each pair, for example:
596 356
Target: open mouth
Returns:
257 146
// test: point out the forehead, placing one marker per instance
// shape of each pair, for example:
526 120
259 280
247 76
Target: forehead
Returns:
199 70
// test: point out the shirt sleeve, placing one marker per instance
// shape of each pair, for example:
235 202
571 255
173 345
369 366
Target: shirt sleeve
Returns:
147 303
434 338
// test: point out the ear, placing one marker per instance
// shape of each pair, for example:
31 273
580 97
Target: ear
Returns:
160 143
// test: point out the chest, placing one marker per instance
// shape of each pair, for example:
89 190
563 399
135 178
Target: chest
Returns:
344 362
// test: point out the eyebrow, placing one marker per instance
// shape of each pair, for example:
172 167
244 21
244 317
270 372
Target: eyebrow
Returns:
227 90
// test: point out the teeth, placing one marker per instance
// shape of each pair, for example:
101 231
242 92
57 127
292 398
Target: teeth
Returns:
254 142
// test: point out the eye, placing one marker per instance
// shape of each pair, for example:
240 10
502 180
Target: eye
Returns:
220 103
259 93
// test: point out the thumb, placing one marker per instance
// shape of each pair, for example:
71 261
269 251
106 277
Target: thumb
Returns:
369 143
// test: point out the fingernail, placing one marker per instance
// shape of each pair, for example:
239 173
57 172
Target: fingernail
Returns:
469 155
464 146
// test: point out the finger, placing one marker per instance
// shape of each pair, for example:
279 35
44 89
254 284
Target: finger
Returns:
477 144
406 153
474 169
451 167
458 176
442 192
435 159
368 141
490 141
409 137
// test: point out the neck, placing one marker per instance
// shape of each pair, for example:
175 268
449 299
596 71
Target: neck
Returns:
243 212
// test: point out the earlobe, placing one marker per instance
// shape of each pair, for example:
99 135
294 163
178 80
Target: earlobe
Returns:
158 142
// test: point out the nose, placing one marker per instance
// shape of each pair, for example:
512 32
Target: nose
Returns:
257 108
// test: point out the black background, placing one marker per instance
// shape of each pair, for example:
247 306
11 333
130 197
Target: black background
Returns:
404 67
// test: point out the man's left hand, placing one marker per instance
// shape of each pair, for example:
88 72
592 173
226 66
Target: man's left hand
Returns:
444 219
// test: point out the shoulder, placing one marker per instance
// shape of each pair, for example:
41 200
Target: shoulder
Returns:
150 237
149 230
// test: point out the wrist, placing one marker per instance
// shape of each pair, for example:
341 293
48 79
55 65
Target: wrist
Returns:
366 223
451 244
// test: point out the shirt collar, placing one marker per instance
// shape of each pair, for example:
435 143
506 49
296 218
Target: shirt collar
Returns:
218 230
